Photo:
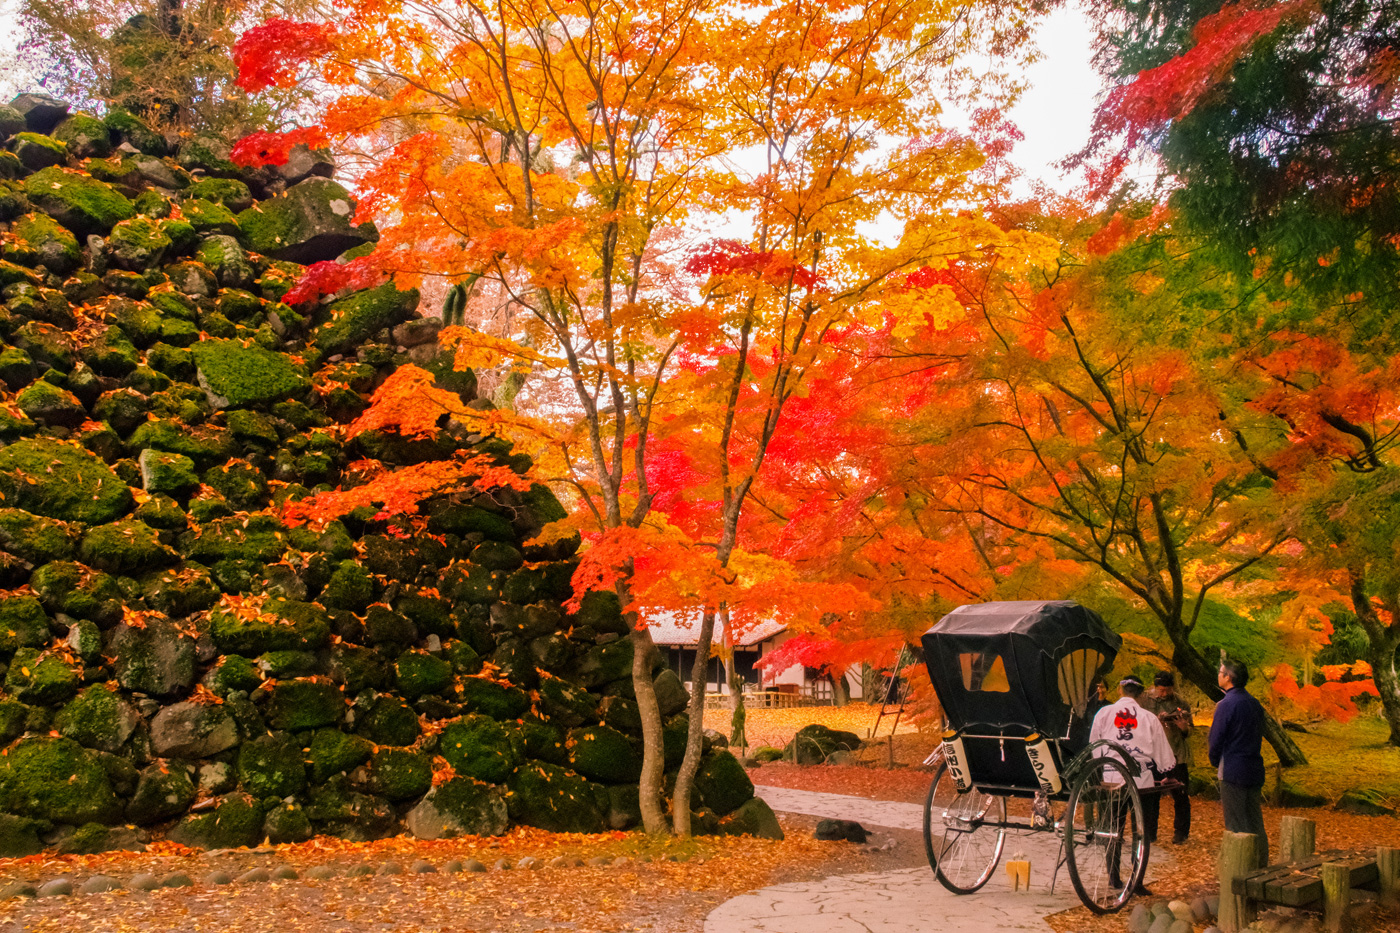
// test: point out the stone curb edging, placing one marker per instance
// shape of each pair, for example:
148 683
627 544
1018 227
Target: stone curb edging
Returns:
99 884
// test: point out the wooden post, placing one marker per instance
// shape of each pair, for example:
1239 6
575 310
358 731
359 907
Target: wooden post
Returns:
1239 855
1388 864
1336 895
1297 839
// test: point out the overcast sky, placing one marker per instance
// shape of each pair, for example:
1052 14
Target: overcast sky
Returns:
1054 114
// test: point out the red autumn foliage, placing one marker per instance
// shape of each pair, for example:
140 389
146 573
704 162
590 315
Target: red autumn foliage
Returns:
327 278
730 257
264 148
270 55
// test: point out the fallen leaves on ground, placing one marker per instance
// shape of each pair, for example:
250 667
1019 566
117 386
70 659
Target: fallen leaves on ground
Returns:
909 785
776 727
656 896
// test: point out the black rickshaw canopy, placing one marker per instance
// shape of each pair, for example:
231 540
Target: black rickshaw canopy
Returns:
1018 666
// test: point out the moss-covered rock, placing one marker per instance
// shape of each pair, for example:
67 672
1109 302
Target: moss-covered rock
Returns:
497 700
129 128
311 224
164 790
234 820
228 261
180 591
238 376
350 587
479 747
388 721
295 705
209 218
56 779
334 752
260 537
98 718
85 136
19 836
277 625
167 474
496 555
47 404
347 323
418 673
396 774
556 799
753 818
62 481
155 656
75 590
81 203
37 239
271 766
41 678
138 244
125 547
338 810
37 151
287 823
459 807
23 624
603 754
35 538
112 353
230 192
721 783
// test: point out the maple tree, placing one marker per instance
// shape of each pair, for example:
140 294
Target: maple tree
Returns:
548 152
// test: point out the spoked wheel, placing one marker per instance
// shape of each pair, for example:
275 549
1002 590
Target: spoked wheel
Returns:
1105 848
963 833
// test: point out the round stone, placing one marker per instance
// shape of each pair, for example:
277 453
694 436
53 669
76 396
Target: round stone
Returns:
97 884
360 870
390 868
502 865
59 887
473 865
452 867
177 880
420 867
255 876
599 861
218 877
144 882
284 873
620 861
320 873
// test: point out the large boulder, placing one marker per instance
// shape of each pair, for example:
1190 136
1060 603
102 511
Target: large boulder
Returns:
557 799
233 820
236 376
721 783
752 818
98 718
81 203
153 656
193 730
814 744
56 779
347 323
312 223
165 790
459 807
63 481
479 747
604 754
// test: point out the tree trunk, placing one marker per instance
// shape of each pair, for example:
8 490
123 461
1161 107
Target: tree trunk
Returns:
1192 664
653 759
840 696
695 736
737 713
1380 654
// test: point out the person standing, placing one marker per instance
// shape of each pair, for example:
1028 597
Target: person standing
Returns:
1236 738
1137 730
1175 715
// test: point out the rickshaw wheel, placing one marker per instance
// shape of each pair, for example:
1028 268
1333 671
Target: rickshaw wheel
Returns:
1103 823
963 848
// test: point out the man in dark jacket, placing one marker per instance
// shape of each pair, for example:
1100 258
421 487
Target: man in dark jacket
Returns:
1236 736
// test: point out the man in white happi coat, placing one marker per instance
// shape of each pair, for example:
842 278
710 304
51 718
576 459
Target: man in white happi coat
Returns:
1140 732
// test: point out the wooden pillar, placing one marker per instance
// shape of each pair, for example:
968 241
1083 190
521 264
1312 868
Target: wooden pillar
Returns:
1336 895
1297 839
1388 864
1239 855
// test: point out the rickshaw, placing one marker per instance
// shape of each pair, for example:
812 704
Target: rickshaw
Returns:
1018 683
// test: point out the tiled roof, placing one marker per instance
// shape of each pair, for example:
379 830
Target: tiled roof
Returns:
667 628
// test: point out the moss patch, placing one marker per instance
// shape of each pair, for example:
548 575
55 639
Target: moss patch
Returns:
333 752
125 547
34 538
82 204
397 774
603 754
56 779
61 481
351 321
23 623
556 799
280 625
479 747
304 704
418 673
240 376
271 766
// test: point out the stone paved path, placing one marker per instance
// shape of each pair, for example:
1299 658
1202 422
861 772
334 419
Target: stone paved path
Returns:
907 901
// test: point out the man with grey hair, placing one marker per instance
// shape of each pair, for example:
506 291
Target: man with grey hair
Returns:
1236 741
